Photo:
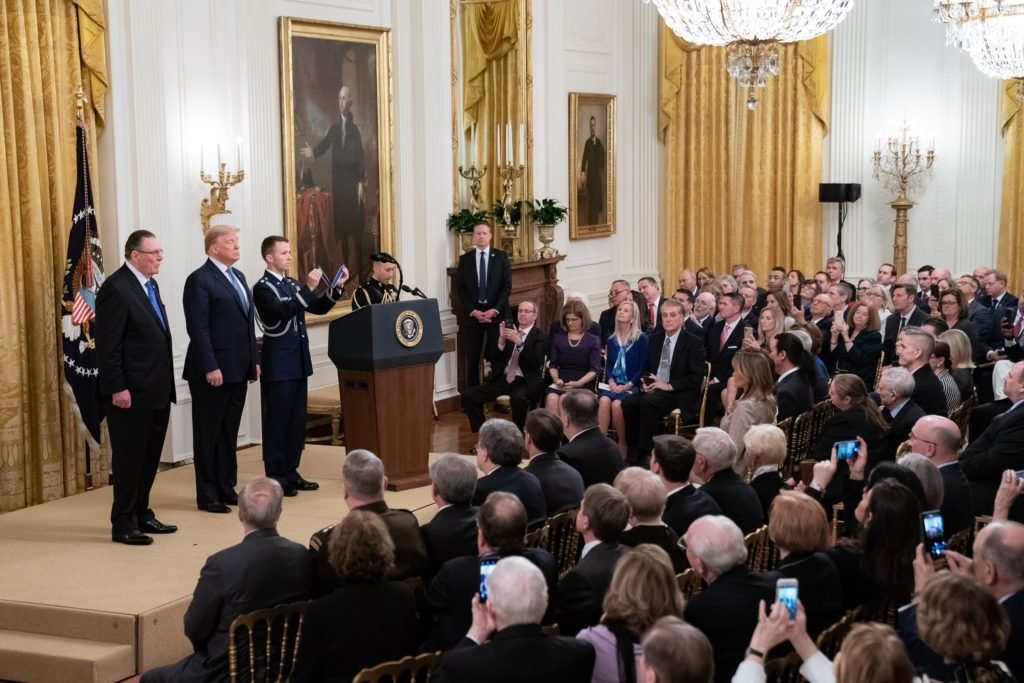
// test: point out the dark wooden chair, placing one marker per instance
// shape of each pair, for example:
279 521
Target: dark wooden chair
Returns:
784 669
563 541
962 542
538 538
831 639
418 669
762 553
689 583
264 645
674 420
961 415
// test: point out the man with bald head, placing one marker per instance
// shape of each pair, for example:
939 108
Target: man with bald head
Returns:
700 320
938 439
220 362
998 448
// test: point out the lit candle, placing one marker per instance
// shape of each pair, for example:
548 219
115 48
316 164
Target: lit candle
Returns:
497 143
472 145
218 156
508 144
522 143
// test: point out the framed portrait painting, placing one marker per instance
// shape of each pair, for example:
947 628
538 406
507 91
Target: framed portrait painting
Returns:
336 130
591 165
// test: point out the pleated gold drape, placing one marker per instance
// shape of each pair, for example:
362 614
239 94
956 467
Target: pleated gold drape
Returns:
1011 218
48 48
741 186
490 94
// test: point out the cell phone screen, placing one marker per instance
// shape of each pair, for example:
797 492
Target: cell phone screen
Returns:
933 533
1020 474
846 449
786 591
486 567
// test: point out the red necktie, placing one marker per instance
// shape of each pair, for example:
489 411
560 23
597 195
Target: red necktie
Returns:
1017 328
650 314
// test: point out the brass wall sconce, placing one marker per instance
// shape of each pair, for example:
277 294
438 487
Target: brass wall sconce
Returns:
216 203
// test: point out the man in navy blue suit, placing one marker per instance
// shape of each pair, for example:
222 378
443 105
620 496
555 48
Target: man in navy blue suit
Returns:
281 303
221 359
484 283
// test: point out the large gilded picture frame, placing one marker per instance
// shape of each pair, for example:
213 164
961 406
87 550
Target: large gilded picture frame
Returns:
591 165
336 147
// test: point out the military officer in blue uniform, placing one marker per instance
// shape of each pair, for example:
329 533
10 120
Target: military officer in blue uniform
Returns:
281 303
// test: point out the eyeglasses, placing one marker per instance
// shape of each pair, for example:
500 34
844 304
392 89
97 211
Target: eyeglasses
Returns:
617 292
681 543
154 252
917 438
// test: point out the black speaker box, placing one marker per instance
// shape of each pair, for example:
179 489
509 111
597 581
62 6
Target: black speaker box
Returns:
834 193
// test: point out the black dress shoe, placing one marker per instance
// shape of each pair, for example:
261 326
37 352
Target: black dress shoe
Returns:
215 507
155 526
133 538
290 491
233 500
304 485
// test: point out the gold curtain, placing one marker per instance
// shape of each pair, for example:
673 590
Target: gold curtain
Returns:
49 47
490 92
741 186
1011 219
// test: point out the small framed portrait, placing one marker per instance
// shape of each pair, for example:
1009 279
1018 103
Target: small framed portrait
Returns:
336 130
591 165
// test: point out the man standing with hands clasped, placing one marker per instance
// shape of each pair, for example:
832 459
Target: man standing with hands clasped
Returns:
282 303
484 284
221 358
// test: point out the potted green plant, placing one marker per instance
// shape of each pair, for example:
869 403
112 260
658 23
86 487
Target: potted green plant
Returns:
547 213
462 223
515 213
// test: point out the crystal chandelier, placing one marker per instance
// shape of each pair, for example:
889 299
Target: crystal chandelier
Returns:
991 32
752 29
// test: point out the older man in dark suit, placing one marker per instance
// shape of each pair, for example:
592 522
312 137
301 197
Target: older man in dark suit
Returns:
483 283
716 453
452 531
498 454
562 483
591 453
136 376
938 439
220 361
914 349
895 387
229 587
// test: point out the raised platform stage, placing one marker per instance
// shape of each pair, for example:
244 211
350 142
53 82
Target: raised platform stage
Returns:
76 607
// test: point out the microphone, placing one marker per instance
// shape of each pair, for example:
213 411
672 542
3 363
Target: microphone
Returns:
415 291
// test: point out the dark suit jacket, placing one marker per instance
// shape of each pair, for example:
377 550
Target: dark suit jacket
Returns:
596 457
899 431
262 571
662 536
957 501
846 425
531 360
892 326
767 486
360 624
738 501
646 324
499 283
998 448
282 306
686 372
821 590
511 479
793 396
581 591
516 654
133 348
451 533
686 505
446 601
607 324
562 483
701 330
720 356
220 332
727 614
928 391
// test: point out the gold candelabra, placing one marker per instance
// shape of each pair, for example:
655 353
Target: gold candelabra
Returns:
900 165
473 175
510 231
216 203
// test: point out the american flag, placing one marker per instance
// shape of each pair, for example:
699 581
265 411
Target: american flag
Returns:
83 275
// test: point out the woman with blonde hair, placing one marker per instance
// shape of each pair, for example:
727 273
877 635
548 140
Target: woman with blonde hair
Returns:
727 283
765 451
704 276
626 359
780 300
960 356
771 323
642 590
749 399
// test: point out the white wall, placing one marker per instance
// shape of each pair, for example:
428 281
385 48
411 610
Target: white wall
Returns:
194 71
889 62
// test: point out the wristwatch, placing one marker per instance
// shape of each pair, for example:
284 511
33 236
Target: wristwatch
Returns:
751 652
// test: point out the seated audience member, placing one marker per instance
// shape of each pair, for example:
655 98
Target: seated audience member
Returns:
895 388
674 373
856 343
914 349
722 342
905 314
808 290
928 474
601 520
798 526
688 281
452 531
857 415
713 465
676 652
954 311
704 276
821 315
962 367
643 589
700 320
627 357
498 454
941 364
646 496
561 483
822 279
334 646
750 311
938 439
618 292
769 323
445 600
754 401
686 298
934 326
766 451
228 587
593 327
726 611
505 642
1006 333
574 358
650 290
795 368
518 369
880 298
794 280
998 448
783 302
727 283
364 482
672 460
812 345
591 453
835 268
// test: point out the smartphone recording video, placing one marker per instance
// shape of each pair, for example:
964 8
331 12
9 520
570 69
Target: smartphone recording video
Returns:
845 450
786 591
933 532
486 567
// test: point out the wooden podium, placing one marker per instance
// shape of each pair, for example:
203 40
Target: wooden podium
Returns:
385 355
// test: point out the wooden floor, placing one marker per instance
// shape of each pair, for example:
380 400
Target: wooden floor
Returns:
451 434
